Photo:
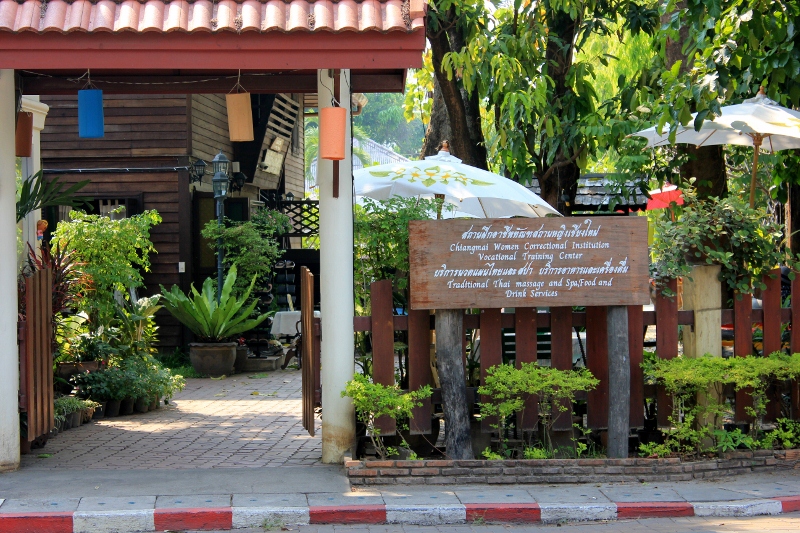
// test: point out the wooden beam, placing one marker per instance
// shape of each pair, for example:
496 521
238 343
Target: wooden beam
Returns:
266 83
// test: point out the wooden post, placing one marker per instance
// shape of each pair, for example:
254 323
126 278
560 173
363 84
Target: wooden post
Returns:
449 332
619 382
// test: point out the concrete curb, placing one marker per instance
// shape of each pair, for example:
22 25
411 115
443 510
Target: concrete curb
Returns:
227 518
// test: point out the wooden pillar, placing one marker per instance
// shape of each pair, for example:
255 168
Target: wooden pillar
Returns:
449 334
636 349
527 340
742 347
619 382
666 341
702 294
597 362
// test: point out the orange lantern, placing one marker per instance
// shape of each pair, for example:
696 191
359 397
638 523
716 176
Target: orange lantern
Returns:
24 134
332 129
240 117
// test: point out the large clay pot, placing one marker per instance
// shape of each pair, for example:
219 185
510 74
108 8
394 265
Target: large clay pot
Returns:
213 359
67 370
126 406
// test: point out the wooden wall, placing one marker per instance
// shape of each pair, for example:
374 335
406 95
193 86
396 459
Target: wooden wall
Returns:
209 127
142 131
135 126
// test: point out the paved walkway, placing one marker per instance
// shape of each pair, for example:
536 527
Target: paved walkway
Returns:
243 421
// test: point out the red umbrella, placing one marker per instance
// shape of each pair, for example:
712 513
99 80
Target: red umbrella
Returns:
663 198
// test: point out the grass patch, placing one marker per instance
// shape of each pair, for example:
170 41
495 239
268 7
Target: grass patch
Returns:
187 371
272 524
45 455
260 375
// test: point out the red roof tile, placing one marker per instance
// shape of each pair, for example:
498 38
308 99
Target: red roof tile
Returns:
206 16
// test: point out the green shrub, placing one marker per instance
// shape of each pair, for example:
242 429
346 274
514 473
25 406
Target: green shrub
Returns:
373 400
113 254
508 389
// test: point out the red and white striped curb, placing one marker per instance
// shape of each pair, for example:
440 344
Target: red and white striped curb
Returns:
226 518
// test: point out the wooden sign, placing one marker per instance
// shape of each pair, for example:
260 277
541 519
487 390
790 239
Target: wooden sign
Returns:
490 263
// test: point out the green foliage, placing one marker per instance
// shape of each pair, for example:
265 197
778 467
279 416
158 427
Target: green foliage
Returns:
142 377
252 245
490 455
36 193
725 232
732 440
113 254
533 66
384 122
508 388
69 404
381 241
373 400
696 386
88 347
210 321
534 452
786 435
135 325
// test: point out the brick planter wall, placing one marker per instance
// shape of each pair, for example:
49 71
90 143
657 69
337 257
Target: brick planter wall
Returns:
445 472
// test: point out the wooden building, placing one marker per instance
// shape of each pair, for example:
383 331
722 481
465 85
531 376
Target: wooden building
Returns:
142 163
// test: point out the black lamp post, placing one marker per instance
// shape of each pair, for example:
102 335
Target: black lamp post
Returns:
220 183
197 170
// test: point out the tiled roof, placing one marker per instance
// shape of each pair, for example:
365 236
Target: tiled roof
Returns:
164 16
595 190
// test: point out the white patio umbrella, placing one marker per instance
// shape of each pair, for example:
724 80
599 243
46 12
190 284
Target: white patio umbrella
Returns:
757 122
471 190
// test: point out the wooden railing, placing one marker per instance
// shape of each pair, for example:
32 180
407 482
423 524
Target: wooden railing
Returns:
36 355
527 323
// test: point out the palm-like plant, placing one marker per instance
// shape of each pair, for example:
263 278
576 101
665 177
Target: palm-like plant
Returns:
209 320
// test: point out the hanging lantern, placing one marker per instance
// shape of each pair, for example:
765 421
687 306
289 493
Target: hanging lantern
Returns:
240 117
332 129
24 134
90 114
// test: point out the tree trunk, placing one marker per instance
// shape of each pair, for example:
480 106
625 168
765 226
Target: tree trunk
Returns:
450 364
439 125
559 185
469 149
706 163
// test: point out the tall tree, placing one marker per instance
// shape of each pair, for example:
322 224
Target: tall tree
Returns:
450 28
522 61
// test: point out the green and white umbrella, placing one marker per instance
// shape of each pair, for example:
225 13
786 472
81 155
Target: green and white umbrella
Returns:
470 190
758 122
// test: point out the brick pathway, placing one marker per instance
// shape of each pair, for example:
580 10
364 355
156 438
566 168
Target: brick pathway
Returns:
230 423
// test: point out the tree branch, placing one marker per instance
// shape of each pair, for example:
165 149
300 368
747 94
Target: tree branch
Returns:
563 163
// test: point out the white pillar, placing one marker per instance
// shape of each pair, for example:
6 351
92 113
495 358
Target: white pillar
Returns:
32 165
336 287
9 356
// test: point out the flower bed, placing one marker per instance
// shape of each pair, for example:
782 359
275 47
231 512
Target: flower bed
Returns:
446 472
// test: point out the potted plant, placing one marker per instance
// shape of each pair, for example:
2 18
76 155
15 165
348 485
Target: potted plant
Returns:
85 355
214 323
719 231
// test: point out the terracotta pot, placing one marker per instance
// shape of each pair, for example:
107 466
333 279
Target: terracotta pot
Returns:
141 405
111 408
241 358
126 406
67 370
213 359
153 404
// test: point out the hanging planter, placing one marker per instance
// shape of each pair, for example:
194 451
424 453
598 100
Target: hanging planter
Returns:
332 130
90 114
24 134
240 117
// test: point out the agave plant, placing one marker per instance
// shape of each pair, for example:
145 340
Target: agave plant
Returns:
210 321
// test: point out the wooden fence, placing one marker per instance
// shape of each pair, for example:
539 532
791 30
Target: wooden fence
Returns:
527 324
35 332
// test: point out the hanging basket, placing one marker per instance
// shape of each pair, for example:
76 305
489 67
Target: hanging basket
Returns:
240 117
24 134
90 114
332 133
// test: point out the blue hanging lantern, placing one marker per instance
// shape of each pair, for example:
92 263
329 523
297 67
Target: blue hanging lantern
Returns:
90 114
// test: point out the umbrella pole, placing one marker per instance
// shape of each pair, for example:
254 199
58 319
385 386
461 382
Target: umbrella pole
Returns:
757 145
439 205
